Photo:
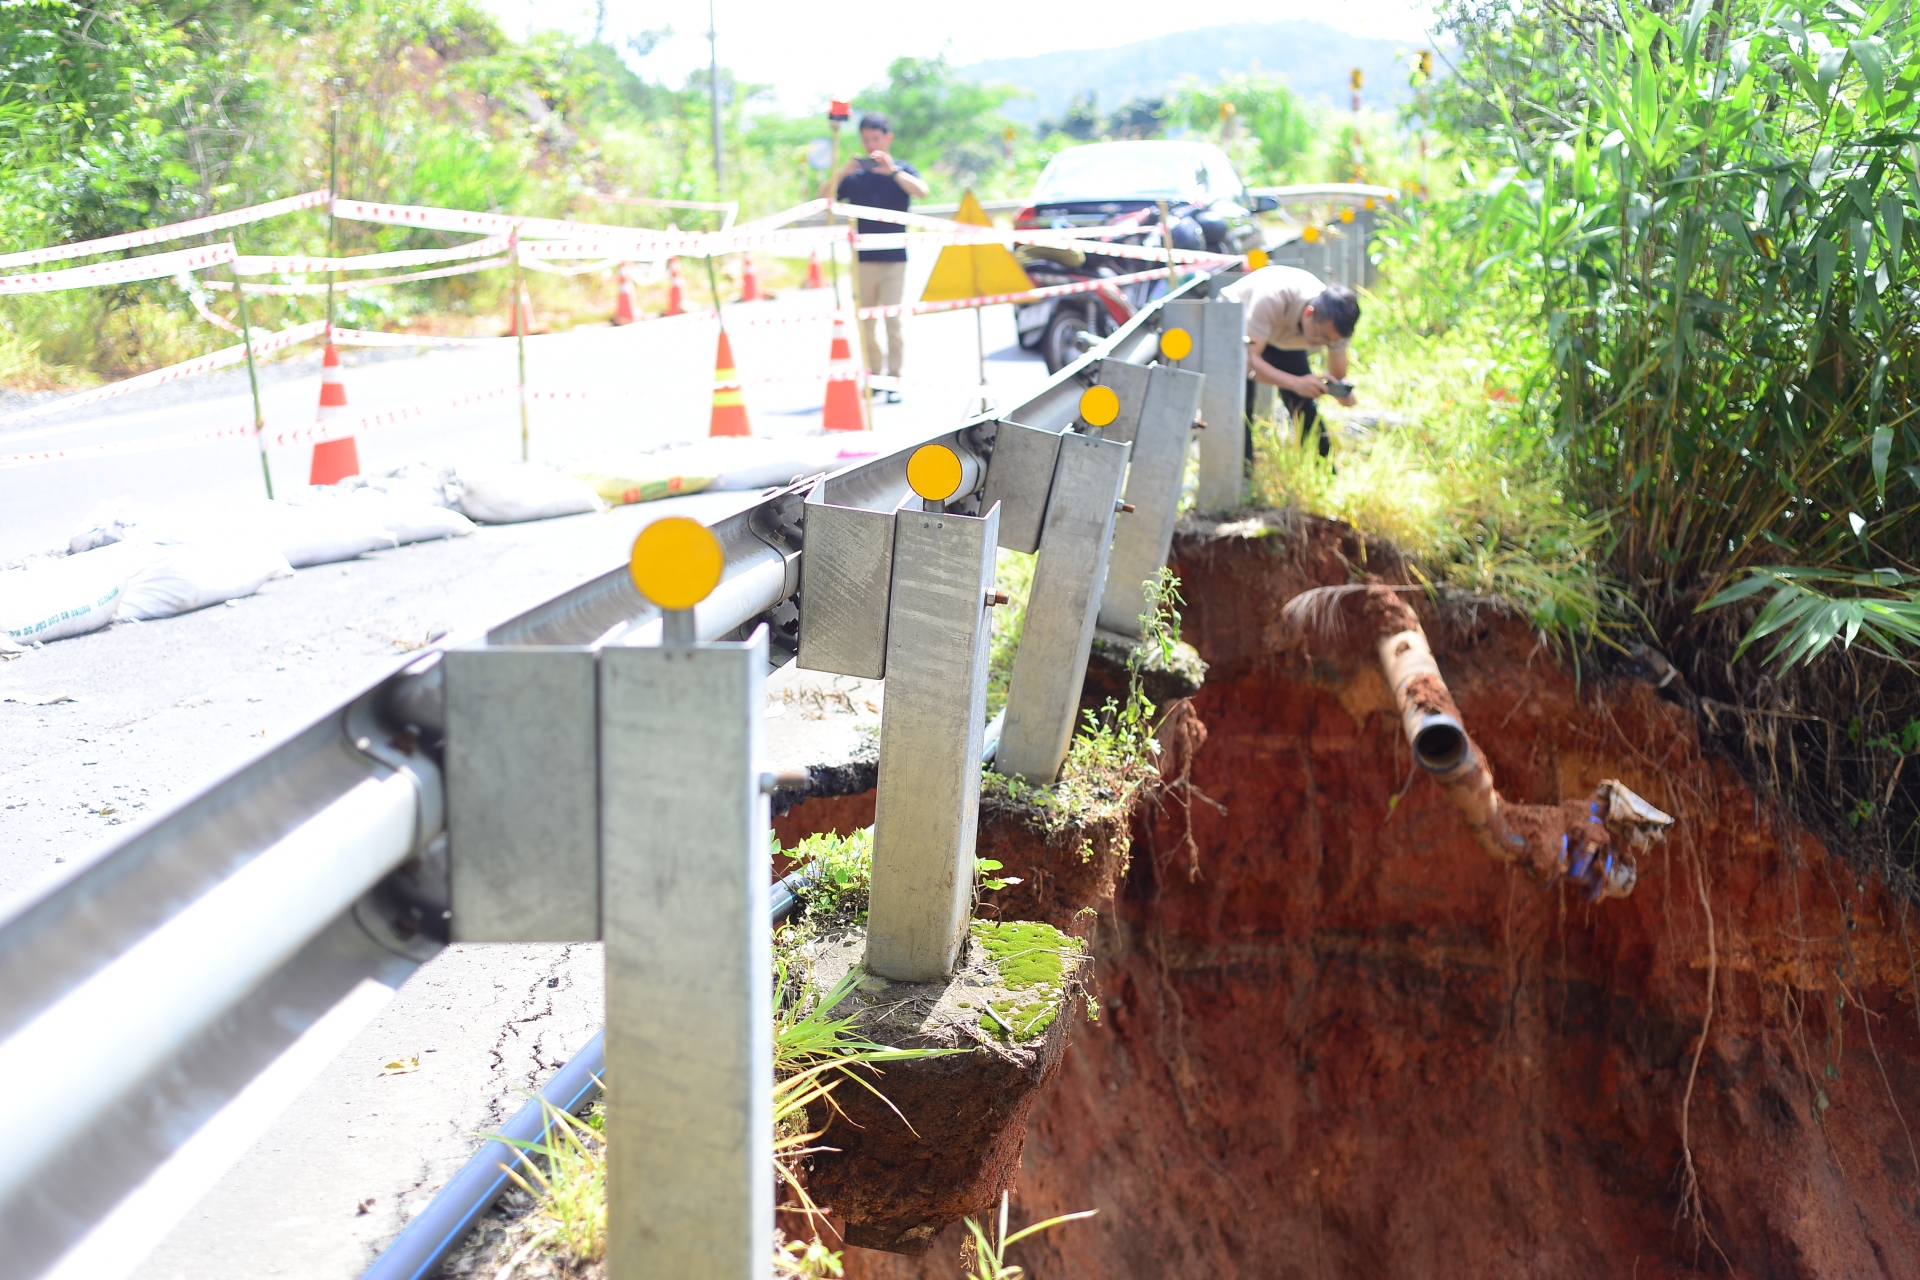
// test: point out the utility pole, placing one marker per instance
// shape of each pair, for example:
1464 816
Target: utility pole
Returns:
713 86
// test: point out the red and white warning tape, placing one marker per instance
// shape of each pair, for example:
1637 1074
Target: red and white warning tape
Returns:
172 231
309 290
151 266
490 224
290 437
301 265
173 373
1000 299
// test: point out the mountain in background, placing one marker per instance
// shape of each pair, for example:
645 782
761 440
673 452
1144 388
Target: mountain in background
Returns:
1314 58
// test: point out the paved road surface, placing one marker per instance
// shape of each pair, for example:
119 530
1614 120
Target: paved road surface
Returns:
102 730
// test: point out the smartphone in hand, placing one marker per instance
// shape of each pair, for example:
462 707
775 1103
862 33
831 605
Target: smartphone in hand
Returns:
1337 389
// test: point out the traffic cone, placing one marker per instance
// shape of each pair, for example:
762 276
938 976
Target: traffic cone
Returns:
749 280
729 408
814 279
626 307
676 289
333 460
842 410
520 315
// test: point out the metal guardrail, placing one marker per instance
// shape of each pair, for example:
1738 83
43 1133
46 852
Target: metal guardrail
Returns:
146 990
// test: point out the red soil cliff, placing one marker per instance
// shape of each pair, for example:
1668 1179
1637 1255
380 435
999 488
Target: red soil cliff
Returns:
1337 1040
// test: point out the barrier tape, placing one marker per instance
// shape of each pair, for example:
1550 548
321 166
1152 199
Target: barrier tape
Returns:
152 266
173 373
291 437
308 290
301 265
1000 299
172 231
495 224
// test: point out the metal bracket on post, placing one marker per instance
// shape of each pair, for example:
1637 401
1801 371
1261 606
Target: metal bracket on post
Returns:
927 802
1155 472
1218 328
685 867
1043 695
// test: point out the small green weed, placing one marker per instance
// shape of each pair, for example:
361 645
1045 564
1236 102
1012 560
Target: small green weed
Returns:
990 1251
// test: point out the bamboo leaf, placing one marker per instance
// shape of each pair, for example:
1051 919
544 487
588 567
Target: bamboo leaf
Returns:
1893 221
1871 55
1882 448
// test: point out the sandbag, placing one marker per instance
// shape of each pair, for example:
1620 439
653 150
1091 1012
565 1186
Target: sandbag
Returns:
511 492
181 579
67 596
305 534
619 490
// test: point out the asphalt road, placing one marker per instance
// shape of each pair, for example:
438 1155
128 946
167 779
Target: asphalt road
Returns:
314 1173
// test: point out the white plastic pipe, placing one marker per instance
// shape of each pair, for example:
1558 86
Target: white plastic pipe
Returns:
99 1041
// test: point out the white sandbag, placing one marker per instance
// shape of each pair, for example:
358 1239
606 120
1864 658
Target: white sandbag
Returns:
184 578
69 595
510 492
306 534
413 521
109 522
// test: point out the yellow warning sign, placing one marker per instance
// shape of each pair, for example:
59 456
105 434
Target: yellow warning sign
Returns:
974 270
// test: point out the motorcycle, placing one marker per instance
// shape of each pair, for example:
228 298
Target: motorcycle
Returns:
1063 328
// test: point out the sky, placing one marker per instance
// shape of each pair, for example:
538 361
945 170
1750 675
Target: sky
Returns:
845 48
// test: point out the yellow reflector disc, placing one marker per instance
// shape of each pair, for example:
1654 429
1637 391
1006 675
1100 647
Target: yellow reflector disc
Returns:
1346 214
1256 259
934 472
1099 406
676 562
1310 234
1370 203
1176 344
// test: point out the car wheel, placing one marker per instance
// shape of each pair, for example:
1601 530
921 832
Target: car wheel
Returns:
1030 340
1061 345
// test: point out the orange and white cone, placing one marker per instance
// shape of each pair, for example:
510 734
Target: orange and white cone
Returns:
626 307
520 314
814 279
676 289
729 407
749 280
333 460
842 411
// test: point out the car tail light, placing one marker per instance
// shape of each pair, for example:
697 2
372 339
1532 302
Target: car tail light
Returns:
1026 219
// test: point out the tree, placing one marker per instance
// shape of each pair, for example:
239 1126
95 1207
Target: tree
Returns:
941 120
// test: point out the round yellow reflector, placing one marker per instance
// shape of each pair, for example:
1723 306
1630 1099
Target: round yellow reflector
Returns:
676 562
1310 234
1176 344
1370 203
1346 214
1256 259
934 472
1099 406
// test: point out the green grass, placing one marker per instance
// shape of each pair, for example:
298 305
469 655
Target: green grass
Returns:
1444 457
1031 958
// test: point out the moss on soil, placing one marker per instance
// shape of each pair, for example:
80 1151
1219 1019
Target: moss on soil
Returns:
1030 958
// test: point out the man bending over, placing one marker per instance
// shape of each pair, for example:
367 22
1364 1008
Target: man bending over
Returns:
1290 314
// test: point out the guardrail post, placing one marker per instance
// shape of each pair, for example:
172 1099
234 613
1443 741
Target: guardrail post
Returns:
1043 694
1219 351
1155 472
685 868
932 721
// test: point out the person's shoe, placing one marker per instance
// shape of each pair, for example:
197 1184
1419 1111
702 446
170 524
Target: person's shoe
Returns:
893 397
873 391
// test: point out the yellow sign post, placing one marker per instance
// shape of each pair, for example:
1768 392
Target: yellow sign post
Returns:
975 271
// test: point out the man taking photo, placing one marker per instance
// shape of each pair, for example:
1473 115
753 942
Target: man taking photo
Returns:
1289 315
878 181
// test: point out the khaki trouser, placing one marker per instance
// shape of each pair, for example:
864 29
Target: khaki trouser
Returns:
881 284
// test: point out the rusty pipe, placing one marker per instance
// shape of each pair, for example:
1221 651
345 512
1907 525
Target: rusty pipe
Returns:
1591 841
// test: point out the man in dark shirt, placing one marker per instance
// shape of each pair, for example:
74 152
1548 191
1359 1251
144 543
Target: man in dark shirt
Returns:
878 181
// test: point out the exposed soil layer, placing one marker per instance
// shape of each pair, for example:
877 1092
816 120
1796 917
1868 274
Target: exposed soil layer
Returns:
1337 1040
945 1138
1076 864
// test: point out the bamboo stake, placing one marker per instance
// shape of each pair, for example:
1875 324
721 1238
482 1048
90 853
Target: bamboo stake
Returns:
253 381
